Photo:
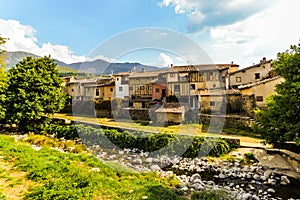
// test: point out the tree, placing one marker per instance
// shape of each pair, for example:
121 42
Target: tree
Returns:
3 81
281 119
35 89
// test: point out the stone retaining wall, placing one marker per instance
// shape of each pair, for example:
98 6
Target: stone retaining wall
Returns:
229 120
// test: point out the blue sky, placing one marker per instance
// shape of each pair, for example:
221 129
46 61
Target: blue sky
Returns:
242 31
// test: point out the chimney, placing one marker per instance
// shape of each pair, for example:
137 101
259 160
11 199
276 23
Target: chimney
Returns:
264 60
171 65
143 69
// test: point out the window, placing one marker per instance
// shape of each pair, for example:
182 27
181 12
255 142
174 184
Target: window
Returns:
212 103
177 88
201 77
141 87
72 90
257 75
149 87
120 89
157 90
210 76
193 86
117 79
259 98
172 74
238 79
111 89
97 92
130 88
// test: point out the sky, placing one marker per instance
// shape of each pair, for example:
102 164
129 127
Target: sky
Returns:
239 31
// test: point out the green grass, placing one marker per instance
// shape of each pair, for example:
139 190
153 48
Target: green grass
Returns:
67 176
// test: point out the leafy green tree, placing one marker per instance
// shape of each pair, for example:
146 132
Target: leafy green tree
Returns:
35 89
3 80
281 119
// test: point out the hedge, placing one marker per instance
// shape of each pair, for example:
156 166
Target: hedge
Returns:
188 146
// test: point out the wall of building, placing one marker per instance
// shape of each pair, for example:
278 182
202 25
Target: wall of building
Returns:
248 75
233 103
108 92
169 118
157 90
211 103
121 90
183 88
262 91
140 86
248 105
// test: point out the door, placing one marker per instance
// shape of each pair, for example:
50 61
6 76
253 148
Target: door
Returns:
163 93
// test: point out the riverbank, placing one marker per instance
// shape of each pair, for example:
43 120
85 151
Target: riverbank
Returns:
243 173
44 173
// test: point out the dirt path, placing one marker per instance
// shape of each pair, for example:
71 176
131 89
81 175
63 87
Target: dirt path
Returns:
13 182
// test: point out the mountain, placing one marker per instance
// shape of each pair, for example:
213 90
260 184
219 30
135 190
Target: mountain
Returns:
12 58
95 67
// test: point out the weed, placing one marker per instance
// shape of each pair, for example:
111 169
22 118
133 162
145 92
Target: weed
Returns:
250 158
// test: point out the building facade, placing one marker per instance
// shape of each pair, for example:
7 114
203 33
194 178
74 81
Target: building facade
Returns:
251 74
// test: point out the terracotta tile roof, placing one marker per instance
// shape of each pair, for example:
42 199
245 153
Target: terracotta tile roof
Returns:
146 74
250 67
258 82
222 92
204 67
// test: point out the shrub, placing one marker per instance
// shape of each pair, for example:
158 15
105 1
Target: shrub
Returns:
110 138
250 158
61 131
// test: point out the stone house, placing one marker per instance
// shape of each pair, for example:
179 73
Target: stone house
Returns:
220 101
165 115
256 94
250 74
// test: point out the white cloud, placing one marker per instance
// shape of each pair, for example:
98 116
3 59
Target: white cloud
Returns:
179 59
202 14
196 17
180 6
22 38
164 60
263 34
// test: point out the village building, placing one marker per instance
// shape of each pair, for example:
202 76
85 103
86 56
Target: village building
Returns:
89 89
122 85
188 82
220 101
170 94
140 87
256 94
250 74
159 87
